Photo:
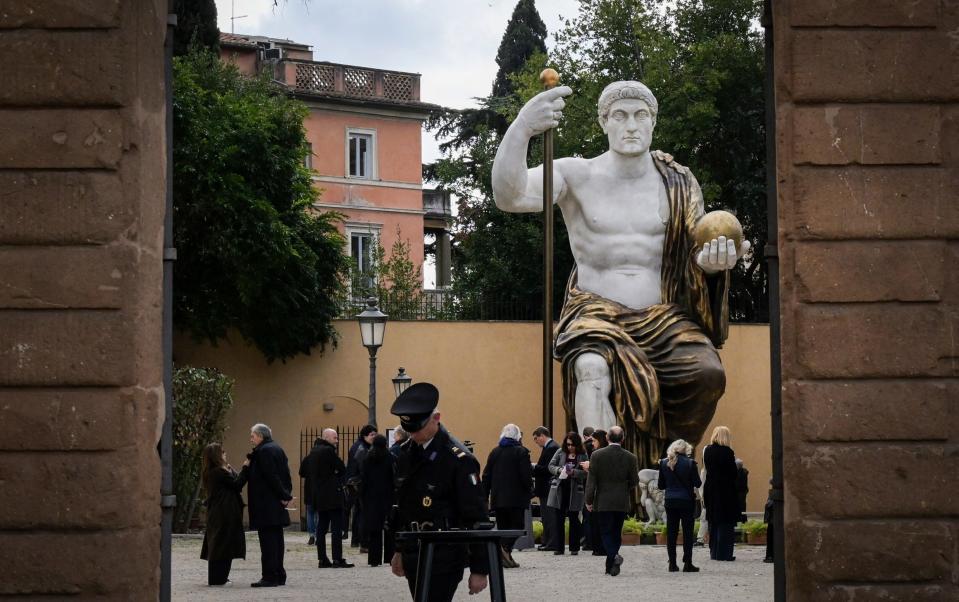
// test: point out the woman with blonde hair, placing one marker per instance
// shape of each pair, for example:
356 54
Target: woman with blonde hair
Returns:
719 494
678 477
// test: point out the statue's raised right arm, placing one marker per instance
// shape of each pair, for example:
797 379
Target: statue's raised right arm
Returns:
517 188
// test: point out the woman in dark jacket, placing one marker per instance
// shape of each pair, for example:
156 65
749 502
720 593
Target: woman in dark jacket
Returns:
224 539
376 497
678 477
719 494
567 491
508 481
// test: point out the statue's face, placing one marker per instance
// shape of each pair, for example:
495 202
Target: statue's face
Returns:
629 127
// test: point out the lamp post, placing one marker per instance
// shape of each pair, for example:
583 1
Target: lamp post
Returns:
372 328
401 382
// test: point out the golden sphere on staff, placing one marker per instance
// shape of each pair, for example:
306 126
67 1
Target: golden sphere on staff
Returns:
715 224
549 78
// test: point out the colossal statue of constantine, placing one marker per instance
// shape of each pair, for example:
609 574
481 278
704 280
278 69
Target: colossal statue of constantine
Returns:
646 307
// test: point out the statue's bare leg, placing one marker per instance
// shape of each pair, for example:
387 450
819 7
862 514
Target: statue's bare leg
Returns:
593 384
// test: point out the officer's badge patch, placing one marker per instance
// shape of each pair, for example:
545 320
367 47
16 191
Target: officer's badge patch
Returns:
427 501
473 479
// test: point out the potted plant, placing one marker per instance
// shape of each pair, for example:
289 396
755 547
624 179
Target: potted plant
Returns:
755 532
649 533
537 531
632 531
661 535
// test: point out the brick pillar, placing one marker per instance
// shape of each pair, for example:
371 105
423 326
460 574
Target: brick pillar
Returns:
82 181
868 167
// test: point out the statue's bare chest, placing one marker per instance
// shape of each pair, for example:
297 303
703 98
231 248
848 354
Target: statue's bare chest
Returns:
608 206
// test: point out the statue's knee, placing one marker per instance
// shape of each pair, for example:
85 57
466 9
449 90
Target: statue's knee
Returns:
591 366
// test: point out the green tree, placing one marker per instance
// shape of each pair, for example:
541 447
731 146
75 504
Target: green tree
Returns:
252 253
497 256
195 26
525 36
394 280
201 399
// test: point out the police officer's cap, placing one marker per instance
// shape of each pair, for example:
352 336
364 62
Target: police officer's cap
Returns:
415 405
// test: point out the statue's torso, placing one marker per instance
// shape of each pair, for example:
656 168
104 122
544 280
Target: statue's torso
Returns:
616 231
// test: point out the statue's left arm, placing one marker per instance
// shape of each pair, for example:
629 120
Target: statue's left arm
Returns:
708 272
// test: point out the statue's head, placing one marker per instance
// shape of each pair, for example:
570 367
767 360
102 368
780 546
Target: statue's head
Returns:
627 113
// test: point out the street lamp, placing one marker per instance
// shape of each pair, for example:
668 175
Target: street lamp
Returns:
401 382
372 328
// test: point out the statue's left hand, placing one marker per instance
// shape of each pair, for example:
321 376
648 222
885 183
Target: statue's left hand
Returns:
720 254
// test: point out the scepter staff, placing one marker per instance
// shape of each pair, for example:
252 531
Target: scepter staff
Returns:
549 78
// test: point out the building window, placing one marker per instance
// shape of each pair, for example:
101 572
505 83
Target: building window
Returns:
308 159
361 154
362 253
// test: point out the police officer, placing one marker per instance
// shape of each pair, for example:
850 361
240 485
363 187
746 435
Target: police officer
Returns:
438 488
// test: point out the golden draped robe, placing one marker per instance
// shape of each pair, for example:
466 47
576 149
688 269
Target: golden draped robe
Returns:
666 374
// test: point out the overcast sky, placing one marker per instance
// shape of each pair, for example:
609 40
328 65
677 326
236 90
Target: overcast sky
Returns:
451 43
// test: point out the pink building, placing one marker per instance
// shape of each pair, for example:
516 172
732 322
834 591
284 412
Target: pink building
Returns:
364 129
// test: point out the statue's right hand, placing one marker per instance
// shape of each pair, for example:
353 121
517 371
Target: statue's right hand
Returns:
544 110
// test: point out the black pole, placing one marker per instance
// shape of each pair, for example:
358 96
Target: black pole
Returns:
167 497
372 416
775 338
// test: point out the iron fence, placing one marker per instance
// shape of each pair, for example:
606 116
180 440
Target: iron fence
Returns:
448 306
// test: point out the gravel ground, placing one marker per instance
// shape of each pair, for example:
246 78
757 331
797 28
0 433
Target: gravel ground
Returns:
541 576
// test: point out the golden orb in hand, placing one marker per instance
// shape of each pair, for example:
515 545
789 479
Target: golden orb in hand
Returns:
715 224
549 77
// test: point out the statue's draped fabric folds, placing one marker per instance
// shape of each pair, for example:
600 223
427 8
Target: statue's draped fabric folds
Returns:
666 375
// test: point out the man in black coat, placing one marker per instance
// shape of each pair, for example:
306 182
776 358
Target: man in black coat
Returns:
613 475
541 487
508 480
354 469
269 492
438 488
325 472
308 497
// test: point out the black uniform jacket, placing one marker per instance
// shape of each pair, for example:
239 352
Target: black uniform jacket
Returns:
439 488
325 474
269 484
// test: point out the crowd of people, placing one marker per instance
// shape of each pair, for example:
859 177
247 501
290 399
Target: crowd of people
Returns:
587 480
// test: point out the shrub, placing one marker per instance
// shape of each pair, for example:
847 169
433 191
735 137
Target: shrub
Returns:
201 398
537 530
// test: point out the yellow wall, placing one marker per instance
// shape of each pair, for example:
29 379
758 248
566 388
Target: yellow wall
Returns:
488 374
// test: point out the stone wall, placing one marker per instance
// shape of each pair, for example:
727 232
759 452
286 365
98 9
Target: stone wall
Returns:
82 188
488 374
868 163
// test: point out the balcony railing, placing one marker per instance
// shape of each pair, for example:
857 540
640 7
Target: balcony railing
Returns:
347 80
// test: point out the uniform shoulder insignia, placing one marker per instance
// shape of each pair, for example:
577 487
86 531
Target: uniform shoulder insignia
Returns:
458 452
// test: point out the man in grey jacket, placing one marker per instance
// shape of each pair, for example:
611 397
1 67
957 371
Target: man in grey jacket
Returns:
613 474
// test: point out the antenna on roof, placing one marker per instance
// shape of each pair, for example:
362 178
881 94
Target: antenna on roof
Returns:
234 17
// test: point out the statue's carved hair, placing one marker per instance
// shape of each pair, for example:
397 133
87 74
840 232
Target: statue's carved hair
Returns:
626 89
